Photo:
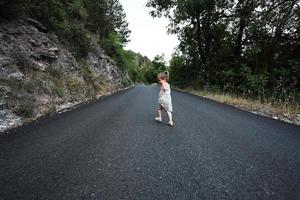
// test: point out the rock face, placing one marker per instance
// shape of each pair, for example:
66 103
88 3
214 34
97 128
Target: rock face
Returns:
39 75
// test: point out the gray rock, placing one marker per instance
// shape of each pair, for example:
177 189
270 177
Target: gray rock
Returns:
43 99
42 54
49 73
3 113
16 76
53 49
297 119
8 120
39 66
37 24
4 61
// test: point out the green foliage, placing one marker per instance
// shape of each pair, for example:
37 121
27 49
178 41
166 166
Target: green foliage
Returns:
151 75
157 66
97 20
52 13
58 90
93 82
55 73
112 44
26 109
178 72
78 40
20 106
76 10
117 19
70 18
22 59
135 64
159 63
75 86
87 73
246 47
253 84
131 62
105 17
74 21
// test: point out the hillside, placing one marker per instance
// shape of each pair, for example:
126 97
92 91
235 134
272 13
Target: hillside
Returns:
55 54
38 75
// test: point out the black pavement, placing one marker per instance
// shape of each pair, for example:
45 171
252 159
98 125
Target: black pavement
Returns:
113 149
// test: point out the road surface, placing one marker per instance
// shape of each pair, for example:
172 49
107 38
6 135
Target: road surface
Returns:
113 149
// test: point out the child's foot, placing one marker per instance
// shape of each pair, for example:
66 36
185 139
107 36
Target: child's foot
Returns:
158 119
171 123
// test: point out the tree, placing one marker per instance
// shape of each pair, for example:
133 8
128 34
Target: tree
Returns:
98 20
159 63
118 19
221 40
178 70
107 16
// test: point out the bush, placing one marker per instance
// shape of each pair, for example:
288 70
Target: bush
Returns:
86 72
76 10
253 84
128 61
151 75
50 12
79 38
178 74
23 59
112 46
55 73
76 38
26 108
59 91
75 86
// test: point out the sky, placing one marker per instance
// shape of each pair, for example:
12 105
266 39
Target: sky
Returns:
149 35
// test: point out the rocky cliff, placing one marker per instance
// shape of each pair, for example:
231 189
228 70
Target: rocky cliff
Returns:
38 75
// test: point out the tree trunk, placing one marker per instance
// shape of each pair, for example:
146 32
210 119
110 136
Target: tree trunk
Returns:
238 46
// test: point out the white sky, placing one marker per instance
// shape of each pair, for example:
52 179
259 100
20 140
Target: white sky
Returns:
149 35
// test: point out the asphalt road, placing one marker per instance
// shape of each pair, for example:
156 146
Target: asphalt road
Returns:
113 149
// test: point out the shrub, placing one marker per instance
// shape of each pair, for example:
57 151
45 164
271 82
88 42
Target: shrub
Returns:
86 72
59 91
23 59
81 42
76 10
253 84
74 85
26 108
76 38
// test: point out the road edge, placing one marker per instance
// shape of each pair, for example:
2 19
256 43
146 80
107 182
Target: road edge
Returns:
240 108
63 110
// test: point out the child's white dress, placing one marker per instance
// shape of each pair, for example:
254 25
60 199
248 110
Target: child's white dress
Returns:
164 99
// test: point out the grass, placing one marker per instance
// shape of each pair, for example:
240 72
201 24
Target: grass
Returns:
284 110
26 109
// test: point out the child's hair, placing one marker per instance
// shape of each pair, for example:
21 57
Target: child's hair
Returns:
163 76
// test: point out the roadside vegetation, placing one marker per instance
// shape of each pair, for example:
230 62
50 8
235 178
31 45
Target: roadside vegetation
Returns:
237 52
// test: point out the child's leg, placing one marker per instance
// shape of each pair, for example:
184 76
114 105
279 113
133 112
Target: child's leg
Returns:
159 113
170 118
159 116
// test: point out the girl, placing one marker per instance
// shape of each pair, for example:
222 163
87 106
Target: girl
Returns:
164 99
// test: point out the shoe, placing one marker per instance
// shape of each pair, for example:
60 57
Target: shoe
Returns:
171 124
158 119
